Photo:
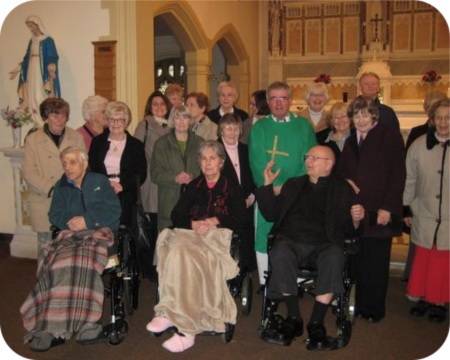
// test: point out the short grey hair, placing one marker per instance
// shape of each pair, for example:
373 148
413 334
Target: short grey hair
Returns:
214 145
82 155
278 85
317 88
93 104
183 112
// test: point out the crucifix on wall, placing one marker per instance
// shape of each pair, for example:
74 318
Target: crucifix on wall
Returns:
375 22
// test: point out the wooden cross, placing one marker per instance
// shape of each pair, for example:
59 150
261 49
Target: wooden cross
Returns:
376 20
274 152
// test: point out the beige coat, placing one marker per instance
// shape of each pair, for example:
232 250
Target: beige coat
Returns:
421 193
323 122
149 190
206 129
41 169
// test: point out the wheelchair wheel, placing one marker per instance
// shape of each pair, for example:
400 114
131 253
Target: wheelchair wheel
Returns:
351 301
228 334
117 332
246 295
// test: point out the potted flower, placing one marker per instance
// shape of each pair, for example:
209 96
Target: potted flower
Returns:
325 78
431 77
16 118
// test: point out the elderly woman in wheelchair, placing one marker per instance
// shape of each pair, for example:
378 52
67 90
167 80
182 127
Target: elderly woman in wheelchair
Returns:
312 216
194 261
68 296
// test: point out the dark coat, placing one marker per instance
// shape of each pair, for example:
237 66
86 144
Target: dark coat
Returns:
415 133
247 184
378 168
95 201
340 198
197 202
214 114
248 187
387 116
133 170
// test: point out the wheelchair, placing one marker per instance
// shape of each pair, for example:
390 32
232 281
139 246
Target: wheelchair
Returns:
123 288
121 284
240 287
342 306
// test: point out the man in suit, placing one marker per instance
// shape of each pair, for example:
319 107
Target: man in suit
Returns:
228 96
369 83
312 215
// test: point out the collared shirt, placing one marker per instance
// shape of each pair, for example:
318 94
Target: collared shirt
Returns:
232 151
287 118
222 113
161 121
315 116
361 136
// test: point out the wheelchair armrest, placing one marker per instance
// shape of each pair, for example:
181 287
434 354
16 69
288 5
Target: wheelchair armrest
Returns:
55 231
234 247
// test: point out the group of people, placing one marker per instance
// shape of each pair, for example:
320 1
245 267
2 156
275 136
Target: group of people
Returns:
310 179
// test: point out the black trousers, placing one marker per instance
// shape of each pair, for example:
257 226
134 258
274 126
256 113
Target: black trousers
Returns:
286 256
372 275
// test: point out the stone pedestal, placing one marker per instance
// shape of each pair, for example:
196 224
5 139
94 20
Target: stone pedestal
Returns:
24 242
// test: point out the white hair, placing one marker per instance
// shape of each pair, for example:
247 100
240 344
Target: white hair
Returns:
93 104
317 88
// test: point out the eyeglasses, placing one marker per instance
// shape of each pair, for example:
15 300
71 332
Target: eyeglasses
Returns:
117 121
314 158
279 98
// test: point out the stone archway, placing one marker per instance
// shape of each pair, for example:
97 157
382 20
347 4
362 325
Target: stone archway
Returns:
229 41
185 26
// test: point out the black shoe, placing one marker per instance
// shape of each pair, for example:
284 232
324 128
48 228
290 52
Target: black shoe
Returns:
437 313
318 339
419 309
281 332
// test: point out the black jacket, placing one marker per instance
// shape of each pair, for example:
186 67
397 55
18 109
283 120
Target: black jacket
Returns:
198 202
340 198
133 170
214 114
247 184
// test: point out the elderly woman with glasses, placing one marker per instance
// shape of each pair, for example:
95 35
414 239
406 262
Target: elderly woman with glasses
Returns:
174 164
194 259
120 157
373 160
335 135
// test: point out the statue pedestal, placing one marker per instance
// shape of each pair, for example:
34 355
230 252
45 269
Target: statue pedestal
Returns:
24 242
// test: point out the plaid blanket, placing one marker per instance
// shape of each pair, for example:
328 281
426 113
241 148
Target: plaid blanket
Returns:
69 289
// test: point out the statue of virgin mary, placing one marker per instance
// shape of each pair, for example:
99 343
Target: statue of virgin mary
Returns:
38 71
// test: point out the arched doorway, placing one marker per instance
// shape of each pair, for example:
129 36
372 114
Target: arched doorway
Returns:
180 48
170 62
229 45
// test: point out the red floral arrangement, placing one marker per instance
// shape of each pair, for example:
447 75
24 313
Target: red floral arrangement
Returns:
431 76
325 78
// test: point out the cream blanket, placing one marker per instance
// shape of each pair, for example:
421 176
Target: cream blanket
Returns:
192 272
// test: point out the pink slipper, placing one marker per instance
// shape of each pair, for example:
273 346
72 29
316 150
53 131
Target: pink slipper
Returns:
158 325
178 343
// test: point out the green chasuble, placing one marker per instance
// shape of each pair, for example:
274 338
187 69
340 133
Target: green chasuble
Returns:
284 142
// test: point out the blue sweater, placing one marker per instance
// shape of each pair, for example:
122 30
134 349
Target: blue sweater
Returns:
95 201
